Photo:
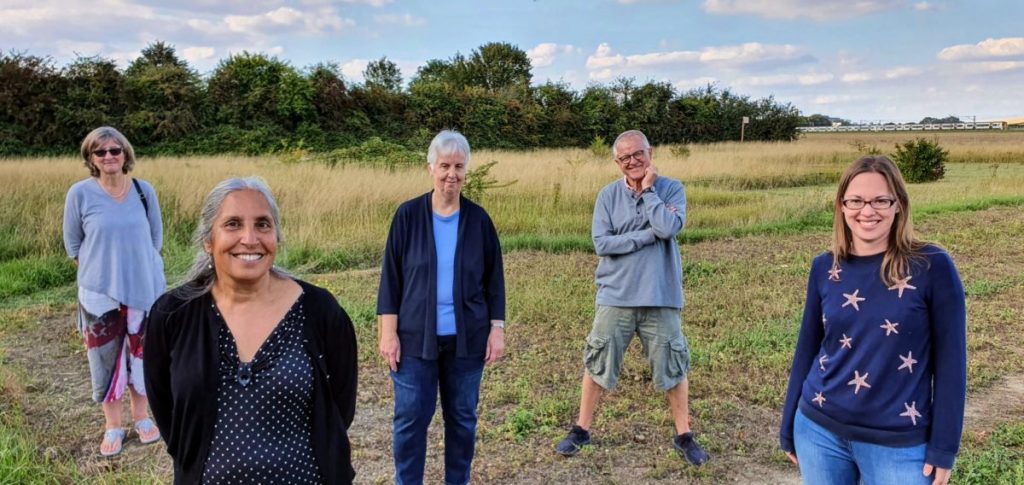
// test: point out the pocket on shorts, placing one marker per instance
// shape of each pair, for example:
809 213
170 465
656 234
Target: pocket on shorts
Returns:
678 357
594 356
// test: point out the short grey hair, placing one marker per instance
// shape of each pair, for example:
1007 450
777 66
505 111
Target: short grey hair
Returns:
201 276
446 143
630 134
103 134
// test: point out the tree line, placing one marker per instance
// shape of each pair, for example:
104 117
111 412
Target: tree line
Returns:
255 103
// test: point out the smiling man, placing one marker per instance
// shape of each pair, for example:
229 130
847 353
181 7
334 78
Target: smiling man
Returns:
639 291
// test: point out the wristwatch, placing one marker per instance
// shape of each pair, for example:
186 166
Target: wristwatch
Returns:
500 325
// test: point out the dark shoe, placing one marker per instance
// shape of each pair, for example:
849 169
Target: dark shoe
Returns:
686 444
578 438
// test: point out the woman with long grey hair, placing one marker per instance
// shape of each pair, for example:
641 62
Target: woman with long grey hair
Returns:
252 372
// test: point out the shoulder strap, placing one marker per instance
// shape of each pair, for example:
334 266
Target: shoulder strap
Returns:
142 197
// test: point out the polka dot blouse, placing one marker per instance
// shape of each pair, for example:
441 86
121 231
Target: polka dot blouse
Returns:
264 410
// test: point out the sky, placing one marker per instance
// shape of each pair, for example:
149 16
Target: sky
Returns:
861 60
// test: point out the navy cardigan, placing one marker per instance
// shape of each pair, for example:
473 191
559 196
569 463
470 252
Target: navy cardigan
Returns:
408 279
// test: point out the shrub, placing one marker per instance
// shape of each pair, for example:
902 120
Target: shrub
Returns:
374 152
479 181
921 160
599 147
680 151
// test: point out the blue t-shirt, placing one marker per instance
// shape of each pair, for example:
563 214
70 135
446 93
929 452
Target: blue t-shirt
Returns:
446 238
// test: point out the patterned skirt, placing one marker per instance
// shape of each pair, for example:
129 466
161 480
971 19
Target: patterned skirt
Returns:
113 340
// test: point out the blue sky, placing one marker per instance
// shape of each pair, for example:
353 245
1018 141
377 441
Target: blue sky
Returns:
864 60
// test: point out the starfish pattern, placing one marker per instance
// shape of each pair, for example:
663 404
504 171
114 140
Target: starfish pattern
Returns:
890 327
820 399
859 381
852 299
902 285
847 341
908 362
833 274
911 412
822 360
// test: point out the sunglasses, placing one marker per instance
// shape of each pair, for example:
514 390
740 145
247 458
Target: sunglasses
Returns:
113 152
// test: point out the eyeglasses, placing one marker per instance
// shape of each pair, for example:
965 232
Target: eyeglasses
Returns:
113 152
877 204
637 155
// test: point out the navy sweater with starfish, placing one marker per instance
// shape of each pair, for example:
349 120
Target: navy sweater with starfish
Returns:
883 364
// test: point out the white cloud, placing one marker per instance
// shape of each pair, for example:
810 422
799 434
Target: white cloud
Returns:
826 99
902 72
924 6
856 77
407 20
281 19
605 63
808 79
820 10
688 84
998 66
543 55
986 49
198 54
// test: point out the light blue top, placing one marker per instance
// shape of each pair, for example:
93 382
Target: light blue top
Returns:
116 244
446 238
635 236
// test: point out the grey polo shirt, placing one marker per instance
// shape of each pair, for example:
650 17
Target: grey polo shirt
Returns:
635 236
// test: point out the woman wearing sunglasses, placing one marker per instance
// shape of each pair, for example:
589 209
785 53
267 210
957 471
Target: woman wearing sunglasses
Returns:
251 372
113 232
879 376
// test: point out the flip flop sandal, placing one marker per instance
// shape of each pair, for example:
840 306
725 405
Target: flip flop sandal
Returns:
113 435
146 426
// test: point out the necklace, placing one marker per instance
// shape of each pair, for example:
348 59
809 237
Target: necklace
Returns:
121 192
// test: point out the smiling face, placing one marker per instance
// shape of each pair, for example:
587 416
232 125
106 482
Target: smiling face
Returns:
243 240
869 227
633 167
448 174
108 164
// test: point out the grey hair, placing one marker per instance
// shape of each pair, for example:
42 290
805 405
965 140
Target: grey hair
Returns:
630 134
201 276
448 142
100 135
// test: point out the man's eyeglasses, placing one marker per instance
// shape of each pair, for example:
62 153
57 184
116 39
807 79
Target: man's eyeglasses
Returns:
113 151
877 204
637 155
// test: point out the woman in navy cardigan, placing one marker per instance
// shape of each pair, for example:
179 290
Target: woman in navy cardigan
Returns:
877 388
442 313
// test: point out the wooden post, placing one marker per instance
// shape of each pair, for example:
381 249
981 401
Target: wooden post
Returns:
743 127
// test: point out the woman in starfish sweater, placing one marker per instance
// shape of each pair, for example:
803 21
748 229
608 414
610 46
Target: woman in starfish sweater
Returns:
879 377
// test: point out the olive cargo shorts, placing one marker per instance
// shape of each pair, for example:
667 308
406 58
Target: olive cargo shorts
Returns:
661 333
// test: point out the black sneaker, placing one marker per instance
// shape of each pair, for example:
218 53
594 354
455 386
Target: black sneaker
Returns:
686 444
577 438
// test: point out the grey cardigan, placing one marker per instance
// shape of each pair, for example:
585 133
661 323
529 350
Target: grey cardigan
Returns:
117 245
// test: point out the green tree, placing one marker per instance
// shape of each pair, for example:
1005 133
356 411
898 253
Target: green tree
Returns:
499 65
30 88
254 90
163 94
93 96
383 74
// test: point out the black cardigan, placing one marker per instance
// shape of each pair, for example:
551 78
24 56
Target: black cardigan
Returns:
408 279
181 359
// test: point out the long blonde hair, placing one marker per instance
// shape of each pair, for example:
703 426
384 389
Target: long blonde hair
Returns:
903 247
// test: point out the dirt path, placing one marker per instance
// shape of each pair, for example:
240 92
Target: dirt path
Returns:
68 424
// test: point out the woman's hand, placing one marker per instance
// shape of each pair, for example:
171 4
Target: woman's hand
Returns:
495 345
941 474
792 458
389 346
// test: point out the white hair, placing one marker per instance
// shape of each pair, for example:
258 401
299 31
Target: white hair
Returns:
446 143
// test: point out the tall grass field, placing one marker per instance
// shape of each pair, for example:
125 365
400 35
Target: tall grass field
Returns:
757 213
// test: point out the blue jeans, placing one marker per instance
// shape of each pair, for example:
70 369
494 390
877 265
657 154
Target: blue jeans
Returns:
828 459
416 384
